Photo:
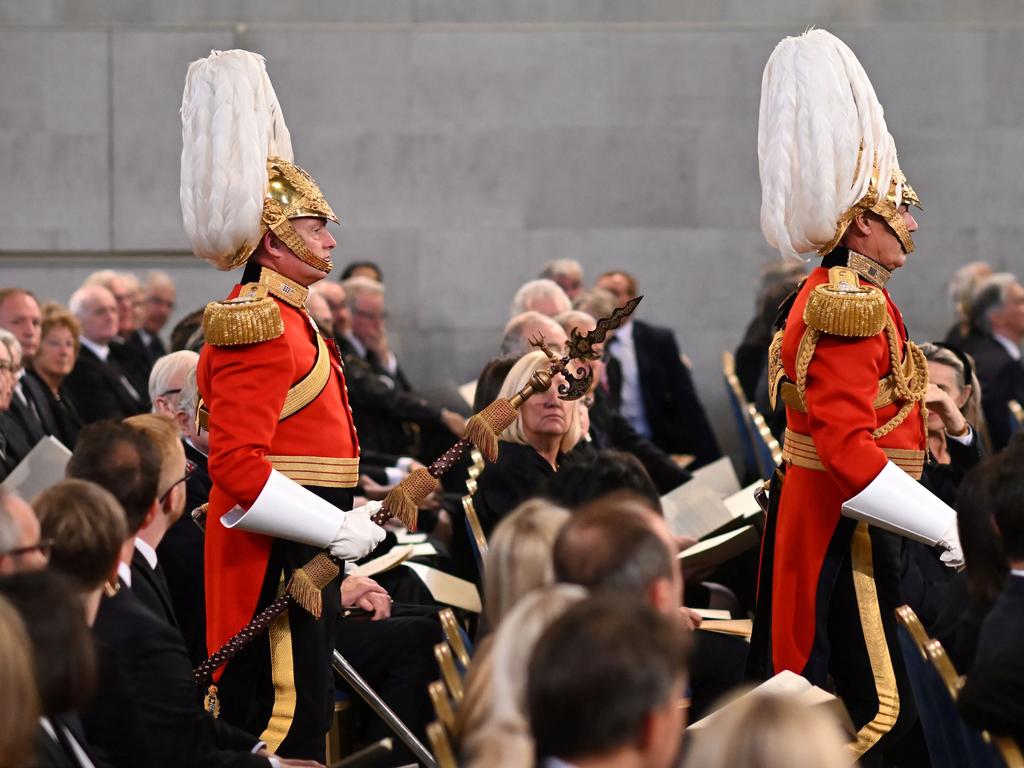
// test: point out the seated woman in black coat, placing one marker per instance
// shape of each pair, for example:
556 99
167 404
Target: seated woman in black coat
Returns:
58 350
530 450
954 448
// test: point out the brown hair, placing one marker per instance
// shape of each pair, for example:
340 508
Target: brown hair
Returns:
19 700
631 285
162 431
88 527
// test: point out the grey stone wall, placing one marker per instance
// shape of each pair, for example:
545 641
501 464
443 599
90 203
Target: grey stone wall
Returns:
466 143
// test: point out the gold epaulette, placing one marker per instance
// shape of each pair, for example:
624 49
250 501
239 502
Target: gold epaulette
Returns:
250 318
844 307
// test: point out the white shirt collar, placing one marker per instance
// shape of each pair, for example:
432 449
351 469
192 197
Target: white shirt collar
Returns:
1017 572
125 572
360 347
1011 348
102 351
196 448
146 551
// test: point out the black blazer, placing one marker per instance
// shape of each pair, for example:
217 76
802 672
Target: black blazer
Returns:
150 586
1002 380
14 443
181 559
381 404
98 389
57 752
143 355
674 411
154 659
35 391
991 697
609 429
520 473
67 421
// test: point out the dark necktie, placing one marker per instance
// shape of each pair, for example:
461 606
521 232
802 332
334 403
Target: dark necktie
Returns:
29 415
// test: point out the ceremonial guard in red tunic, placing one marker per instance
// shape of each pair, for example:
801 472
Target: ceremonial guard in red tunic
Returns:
853 385
284 454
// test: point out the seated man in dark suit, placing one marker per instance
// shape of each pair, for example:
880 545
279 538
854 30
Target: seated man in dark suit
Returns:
655 391
181 550
996 332
991 698
144 343
389 415
99 382
30 406
621 547
123 460
610 430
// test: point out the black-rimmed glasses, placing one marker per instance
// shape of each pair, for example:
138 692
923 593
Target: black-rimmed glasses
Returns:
190 467
44 547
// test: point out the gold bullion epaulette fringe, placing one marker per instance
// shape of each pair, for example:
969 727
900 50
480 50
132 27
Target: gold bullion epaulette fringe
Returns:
843 307
250 318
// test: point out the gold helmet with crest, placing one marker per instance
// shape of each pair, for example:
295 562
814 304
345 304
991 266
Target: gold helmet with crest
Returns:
238 179
824 152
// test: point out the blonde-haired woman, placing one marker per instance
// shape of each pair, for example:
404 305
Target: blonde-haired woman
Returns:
19 699
492 730
769 731
519 556
530 449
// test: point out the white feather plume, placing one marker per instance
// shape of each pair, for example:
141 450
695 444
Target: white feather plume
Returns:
817 106
231 122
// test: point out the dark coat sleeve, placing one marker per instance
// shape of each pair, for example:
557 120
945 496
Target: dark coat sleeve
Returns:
154 658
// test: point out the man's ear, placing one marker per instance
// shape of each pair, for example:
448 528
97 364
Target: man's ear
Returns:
661 597
273 247
861 224
154 510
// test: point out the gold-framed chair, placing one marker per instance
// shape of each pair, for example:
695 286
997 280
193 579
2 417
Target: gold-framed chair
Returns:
477 537
1017 415
741 411
442 704
450 627
450 675
936 686
441 745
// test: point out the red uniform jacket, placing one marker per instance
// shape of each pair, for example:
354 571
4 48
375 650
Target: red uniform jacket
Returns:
842 382
244 388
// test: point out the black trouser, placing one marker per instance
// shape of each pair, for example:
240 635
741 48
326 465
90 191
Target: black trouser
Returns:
396 658
857 656
281 687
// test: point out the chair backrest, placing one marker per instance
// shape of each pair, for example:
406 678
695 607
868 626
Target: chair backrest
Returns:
446 663
740 411
766 447
442 704
477 537
1016 416
453 633
935 683
441 745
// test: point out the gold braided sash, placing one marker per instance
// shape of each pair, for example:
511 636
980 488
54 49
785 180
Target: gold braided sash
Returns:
800 451
318 470
304 392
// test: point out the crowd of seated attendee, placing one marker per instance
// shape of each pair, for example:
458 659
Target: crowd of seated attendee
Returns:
591 647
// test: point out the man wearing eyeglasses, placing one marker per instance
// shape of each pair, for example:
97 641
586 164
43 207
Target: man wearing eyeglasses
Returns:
21 548
148 580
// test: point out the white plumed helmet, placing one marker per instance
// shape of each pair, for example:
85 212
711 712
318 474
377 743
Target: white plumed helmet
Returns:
237 176
823 148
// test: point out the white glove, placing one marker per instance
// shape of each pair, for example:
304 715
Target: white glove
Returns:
286 510
896 502
950 541
358 535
